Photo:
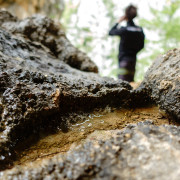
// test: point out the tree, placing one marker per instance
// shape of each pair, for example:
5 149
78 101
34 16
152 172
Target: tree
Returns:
166 23
164 26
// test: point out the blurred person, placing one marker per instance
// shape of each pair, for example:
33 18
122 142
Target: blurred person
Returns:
132 41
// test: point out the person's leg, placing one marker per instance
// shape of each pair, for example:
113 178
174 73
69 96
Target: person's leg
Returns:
127 69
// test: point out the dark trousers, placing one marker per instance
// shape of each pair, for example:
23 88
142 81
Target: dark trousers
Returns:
127 68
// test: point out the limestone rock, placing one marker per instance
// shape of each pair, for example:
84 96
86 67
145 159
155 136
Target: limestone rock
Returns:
162 83
23 9
43 30
45 82
37 89
142 151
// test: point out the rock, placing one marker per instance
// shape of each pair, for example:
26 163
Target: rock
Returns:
38 91
43 30
46 84
162 83
141 151
23 9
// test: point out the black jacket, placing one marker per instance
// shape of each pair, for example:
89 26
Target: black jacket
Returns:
132 39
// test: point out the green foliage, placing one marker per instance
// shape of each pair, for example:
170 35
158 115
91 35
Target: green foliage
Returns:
164 26
84 39
81 36
112 56
69 10
166 23
110 6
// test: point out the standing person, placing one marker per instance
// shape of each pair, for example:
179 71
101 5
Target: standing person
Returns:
132 41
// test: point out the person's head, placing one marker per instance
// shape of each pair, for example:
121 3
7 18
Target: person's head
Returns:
130 12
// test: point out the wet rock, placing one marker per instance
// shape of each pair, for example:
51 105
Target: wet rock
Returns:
162 83
141 151
38 91
43 30
45 82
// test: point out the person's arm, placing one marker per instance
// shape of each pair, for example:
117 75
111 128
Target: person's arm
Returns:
114 30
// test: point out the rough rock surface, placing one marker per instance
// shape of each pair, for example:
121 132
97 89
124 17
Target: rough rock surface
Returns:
162 83
142 151
23 9
43 85
37 89
43 30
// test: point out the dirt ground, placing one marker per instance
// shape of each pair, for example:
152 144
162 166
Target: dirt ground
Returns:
51 144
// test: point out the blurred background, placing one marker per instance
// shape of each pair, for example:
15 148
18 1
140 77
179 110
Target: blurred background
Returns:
87 23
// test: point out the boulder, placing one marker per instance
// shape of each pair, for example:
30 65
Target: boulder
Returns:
38 88
162 83
141 151
46 84
43 30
